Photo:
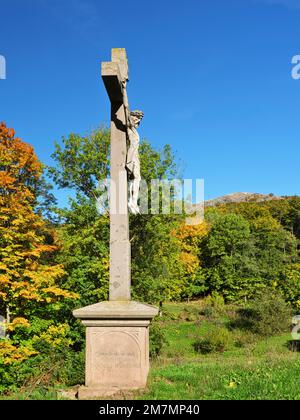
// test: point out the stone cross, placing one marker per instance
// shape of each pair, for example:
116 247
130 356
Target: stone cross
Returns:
115 76
117 331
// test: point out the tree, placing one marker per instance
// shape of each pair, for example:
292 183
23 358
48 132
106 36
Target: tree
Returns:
228 253
84 251
289 284
253 255
274 247
83 161
293 218
28 281
191 239
157 273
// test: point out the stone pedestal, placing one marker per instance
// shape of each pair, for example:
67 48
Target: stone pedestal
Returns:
117 347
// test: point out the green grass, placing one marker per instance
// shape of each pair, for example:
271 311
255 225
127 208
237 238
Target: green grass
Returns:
38 394
231 380
263 368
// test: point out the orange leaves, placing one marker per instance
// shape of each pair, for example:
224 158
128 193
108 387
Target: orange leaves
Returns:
19 165
28 294
26 242
192 234
28 278
4 279
10 133
6 180
37 252
57 292
5 132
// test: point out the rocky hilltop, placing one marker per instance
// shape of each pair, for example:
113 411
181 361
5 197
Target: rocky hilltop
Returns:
242 197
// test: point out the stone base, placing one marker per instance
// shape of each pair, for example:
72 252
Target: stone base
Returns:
117 347
90 393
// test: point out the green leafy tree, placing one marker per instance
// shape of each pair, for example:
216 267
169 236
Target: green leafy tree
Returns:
228 254
274 247
84 253
289 284
81 162
156 267
247 249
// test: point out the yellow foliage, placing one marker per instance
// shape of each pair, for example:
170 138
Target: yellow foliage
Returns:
27 277
190 262
56 335
17 322
10 354
56 291
190 237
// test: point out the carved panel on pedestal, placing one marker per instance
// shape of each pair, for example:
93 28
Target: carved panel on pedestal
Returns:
116 357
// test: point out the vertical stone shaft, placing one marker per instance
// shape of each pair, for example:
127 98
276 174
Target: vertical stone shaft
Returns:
120 256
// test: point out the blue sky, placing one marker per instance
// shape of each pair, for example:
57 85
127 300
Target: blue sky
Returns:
212 76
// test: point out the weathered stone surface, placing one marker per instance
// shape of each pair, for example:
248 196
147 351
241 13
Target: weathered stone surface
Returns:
112 79
296 320
117 347
85 393
116 310
120 250
117 357
117 332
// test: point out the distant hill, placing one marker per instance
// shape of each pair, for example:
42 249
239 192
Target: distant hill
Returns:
242 197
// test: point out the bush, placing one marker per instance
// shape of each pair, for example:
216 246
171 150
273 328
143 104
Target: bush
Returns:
216 340
213 305
167 315
214 301
243 338
266 316
157 339
209 312
60 367
190 313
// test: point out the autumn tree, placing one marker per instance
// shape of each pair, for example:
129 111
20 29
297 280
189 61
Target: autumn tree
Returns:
191 238
29 283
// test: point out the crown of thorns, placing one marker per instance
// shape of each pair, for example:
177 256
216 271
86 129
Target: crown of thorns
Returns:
138 114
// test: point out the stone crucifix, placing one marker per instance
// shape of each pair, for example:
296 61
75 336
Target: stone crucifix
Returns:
117 331
125 169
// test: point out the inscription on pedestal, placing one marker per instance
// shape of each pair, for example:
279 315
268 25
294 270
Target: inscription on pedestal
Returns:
115 358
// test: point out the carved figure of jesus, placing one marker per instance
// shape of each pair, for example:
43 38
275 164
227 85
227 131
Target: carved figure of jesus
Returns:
133 161
133 120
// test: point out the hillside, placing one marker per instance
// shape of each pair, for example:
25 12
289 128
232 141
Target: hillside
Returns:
242 197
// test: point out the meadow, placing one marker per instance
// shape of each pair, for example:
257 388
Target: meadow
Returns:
250 367
255 368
